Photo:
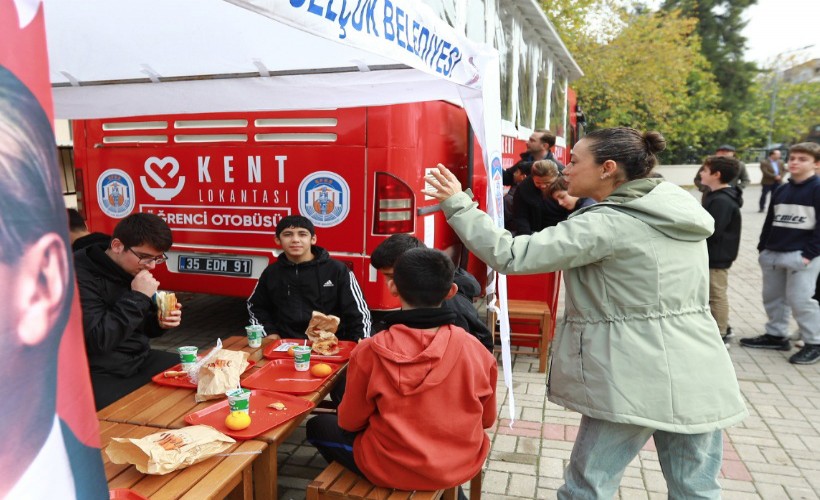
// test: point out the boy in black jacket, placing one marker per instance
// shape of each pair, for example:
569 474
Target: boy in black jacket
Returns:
790 258
723 203
305 279
384 257
119 315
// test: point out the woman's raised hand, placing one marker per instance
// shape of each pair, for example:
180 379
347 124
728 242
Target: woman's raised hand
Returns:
443 183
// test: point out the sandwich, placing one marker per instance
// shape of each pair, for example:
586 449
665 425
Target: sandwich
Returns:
166 302
327 344
321 332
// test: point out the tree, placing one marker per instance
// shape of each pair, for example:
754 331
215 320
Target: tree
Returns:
652 75
579 22
797 108
720 25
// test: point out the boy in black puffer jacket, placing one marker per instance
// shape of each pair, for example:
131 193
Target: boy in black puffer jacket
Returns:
119 316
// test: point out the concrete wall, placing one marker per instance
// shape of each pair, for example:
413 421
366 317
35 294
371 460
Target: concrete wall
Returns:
684 175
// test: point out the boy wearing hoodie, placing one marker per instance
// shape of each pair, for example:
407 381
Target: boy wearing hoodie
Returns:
723 203
384 257
390 426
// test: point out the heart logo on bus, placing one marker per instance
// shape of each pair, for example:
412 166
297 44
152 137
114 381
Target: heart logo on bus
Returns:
161 172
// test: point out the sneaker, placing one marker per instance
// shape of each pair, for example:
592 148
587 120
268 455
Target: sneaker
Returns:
808 355
767 341
726 340
729 333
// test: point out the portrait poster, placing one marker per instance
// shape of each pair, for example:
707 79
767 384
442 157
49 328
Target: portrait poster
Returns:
50 443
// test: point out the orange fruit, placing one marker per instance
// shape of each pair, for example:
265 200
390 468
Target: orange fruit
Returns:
290 350
237 420
321 370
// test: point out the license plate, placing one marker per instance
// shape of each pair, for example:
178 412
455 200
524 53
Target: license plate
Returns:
226 266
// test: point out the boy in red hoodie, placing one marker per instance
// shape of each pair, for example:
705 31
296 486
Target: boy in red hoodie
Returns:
419 394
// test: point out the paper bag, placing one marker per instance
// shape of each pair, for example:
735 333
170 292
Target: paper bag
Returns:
170 450
220 374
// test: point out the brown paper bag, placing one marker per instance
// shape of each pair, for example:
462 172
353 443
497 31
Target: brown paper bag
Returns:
220 374
170 450
321 323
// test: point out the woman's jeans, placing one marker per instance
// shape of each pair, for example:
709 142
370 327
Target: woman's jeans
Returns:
690 462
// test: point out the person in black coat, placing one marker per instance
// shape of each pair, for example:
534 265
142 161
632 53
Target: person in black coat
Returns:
387 253
79 235
519 173
723 203
119 314
533 207
304 279
539 147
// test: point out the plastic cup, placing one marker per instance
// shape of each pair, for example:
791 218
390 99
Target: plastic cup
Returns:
301 358
187 356
254 333
239 400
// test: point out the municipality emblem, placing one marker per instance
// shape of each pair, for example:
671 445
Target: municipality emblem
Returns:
115 193
324 198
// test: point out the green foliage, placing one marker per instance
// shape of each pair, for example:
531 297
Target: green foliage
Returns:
651 75
720 25
579 22
797 109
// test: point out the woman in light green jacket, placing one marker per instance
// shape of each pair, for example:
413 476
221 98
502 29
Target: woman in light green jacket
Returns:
638 353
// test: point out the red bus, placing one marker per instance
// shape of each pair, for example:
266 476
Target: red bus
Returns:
223 180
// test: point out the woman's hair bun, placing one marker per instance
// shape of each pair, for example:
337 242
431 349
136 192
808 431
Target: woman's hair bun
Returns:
655 143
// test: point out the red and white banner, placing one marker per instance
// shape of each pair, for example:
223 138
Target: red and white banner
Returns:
50 440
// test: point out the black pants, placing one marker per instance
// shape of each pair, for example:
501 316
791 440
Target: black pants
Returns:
338 391
766 190
333 442
109 388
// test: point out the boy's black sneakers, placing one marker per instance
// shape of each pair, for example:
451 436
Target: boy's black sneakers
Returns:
767 341
809 354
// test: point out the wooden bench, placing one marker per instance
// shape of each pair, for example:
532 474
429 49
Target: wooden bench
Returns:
338 482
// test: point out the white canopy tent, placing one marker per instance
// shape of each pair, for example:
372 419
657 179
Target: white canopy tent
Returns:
113 58
138 57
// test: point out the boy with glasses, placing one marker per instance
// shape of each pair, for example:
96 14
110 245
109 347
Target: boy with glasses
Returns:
119 315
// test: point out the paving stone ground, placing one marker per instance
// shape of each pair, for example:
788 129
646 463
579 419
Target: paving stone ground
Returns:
773 454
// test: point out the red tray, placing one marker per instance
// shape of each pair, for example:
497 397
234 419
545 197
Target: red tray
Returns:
263 418
182 382
124 494
345 348
279 375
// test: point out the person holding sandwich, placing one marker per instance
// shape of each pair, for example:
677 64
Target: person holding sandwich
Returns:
303 279
120 312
